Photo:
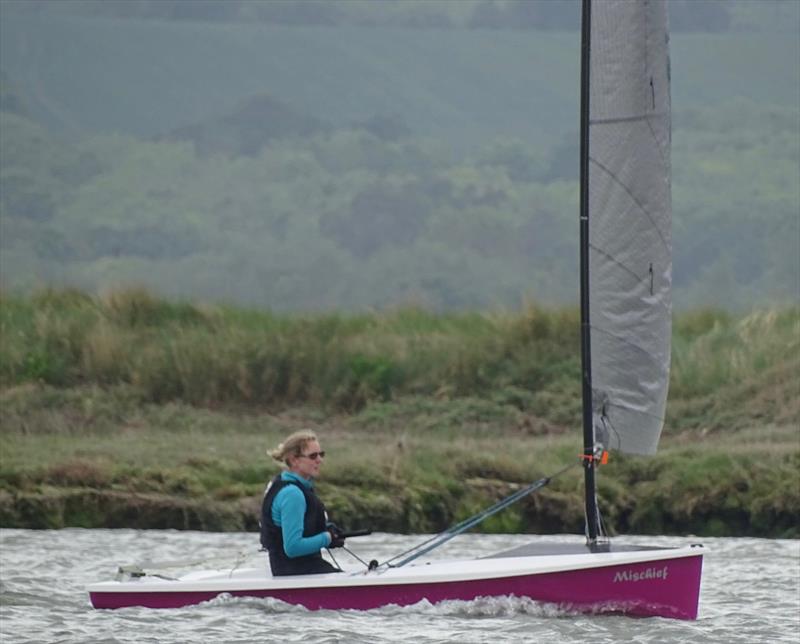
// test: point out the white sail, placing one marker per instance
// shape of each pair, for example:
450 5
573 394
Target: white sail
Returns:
630 265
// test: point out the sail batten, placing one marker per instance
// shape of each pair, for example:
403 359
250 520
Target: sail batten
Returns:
625 119
629 215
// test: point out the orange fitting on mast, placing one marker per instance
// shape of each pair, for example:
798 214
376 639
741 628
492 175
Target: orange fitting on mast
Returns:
602 460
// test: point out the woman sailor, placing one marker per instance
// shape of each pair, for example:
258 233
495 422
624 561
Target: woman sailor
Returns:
294 524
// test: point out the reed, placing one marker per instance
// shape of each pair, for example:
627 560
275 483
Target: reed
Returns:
217 356
730 372
416 464
212 356
712 349
426 416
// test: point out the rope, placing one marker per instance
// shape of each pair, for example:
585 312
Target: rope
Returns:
153 568
453 531
420 549
369 566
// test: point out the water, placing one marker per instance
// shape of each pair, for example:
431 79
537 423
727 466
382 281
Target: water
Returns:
750 593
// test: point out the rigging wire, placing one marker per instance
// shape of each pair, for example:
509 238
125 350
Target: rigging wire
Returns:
437 540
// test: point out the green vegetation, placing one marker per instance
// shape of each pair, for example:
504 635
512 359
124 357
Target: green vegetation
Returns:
382 167
406 162
346 220
129 410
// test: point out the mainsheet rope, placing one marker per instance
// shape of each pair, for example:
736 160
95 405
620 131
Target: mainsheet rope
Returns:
155 568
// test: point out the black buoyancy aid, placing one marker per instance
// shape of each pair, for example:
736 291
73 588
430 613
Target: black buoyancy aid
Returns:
272 538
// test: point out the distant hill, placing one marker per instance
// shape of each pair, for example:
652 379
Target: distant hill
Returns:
252 124
10 99
318 168
149 78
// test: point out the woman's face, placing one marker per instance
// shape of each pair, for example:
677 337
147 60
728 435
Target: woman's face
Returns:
307 465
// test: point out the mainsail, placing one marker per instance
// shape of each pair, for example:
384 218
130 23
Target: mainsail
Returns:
629 204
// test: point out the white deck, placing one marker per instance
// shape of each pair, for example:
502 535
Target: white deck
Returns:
244 579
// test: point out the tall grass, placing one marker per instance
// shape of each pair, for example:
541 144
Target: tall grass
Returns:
712 349
724 368
727 372
213 356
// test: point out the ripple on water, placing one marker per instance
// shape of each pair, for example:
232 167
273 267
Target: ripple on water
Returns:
750 593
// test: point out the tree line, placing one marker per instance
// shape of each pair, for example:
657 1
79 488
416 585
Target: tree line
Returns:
296 214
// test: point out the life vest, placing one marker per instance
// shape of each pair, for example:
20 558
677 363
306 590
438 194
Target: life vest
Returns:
272 537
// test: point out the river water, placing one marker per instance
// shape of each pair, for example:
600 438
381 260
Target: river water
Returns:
750 593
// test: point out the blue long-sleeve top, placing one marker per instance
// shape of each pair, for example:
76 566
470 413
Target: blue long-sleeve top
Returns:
288 513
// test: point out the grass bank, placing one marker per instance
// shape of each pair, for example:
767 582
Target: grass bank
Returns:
131 411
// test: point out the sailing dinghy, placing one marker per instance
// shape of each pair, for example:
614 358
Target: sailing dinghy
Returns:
626 264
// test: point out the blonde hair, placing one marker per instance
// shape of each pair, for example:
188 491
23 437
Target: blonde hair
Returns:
292 445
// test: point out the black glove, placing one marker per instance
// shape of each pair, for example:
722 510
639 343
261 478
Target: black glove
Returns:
337 538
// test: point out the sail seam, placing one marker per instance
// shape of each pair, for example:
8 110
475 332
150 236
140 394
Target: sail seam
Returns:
634 199
627 342
647 118
617 262
636 410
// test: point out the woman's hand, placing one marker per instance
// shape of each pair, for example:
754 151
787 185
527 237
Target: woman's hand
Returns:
337 539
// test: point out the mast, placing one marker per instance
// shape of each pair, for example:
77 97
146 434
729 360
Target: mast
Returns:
592 519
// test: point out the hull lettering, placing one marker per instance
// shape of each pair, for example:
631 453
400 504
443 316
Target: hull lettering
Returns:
641 575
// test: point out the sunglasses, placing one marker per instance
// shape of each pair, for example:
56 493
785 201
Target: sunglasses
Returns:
313 455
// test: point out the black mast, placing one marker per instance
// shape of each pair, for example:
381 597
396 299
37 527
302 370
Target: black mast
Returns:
586 360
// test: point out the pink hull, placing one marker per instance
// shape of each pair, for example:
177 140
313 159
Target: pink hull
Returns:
667 588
